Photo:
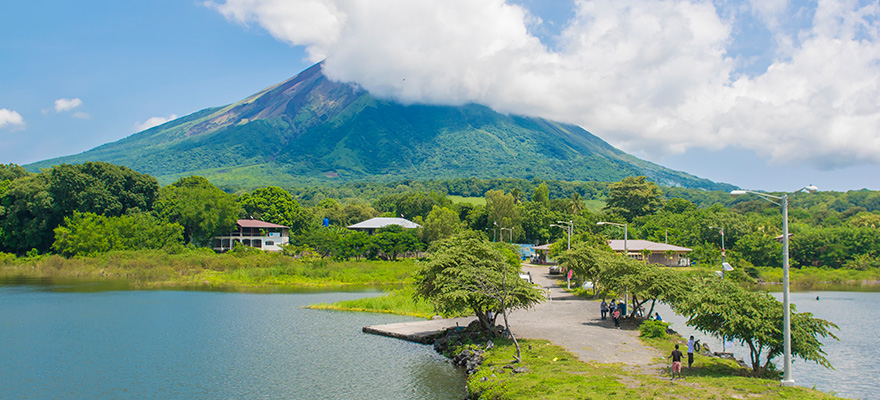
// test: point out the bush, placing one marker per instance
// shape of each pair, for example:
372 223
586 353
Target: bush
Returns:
653 329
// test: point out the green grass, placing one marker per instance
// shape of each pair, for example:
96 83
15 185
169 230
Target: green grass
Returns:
400 301
203 269
477 201
554 373
818 278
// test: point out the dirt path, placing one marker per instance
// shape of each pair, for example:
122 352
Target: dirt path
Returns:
576 325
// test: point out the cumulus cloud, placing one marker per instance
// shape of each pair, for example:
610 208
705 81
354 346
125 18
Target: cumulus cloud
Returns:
62 105
10 118
153 121
655 76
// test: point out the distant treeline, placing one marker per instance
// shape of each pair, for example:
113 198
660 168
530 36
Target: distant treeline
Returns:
95 207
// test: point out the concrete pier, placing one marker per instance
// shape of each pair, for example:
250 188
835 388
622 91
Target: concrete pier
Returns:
418 331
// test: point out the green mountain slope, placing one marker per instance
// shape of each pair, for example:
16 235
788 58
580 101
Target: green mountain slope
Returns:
309 129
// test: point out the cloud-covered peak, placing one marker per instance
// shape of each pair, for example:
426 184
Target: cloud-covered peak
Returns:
656 76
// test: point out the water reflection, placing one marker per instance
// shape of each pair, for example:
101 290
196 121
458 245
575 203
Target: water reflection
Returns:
853 356
206 345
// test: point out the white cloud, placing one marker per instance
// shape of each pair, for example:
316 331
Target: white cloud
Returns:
647 75
152 121
81 115
62 105
11 119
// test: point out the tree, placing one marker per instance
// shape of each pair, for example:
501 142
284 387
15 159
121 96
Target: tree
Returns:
393 240
88 234
201 208
542 194
440 224
274 204
501 211
467 272
586 261
633 196
725 309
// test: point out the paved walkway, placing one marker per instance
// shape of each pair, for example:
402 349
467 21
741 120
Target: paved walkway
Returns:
576 325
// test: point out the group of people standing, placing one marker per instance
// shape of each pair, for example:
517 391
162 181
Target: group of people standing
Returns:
614 308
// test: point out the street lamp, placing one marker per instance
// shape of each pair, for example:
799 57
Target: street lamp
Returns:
502 234
625 234
724 265
569 228
782 201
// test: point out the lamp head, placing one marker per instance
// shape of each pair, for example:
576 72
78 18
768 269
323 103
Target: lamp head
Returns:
600 223
737 192
811 189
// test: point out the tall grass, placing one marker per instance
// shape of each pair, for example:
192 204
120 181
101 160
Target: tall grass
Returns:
400 301
204 268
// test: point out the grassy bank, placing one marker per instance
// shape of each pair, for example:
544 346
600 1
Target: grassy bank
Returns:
400 301
553 373
204 269
818 278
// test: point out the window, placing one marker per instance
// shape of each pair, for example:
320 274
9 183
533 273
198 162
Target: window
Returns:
270 243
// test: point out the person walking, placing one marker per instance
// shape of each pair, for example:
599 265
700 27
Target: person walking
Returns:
676 362
615 315
690 351
604 308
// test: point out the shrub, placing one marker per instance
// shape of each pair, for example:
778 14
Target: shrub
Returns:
653 329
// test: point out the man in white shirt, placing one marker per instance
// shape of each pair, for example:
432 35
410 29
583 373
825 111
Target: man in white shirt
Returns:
690 351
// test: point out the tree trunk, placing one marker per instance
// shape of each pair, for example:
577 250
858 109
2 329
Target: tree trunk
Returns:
518 356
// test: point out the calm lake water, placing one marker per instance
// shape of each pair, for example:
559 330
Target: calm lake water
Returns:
58 342
855 357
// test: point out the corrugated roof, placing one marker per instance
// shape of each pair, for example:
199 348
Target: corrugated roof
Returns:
381 222
255 223
639 245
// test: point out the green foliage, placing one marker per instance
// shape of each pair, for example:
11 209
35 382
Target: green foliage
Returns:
202 209
650 328
542 194
88 234
724 309
440 224
633 197
412 204
32 206
275 205
469 273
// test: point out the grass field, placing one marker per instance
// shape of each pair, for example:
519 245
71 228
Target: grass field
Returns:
477 201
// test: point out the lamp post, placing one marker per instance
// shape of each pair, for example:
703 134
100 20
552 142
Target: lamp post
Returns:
502 234
569 227
723 254
782 201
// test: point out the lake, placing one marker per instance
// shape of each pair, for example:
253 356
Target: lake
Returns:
854 357
81 342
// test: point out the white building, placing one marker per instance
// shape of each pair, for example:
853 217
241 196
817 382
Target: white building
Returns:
254 233
661 253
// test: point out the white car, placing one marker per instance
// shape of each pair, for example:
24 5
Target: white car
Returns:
527 276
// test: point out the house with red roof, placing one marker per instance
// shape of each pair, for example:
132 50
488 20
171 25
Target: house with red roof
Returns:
254 233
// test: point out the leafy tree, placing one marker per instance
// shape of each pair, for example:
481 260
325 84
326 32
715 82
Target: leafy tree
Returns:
542 194
411 204
274 204
201 208
587 261
469 273
440 224
634 196
33 205
9 172
725 309
393 240
88 234
502 211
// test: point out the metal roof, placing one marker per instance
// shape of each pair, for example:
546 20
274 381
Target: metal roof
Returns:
255 223
639 245
381 222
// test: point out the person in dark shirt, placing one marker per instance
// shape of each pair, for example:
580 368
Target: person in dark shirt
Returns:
676 362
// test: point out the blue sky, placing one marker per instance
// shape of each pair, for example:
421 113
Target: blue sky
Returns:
770 94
